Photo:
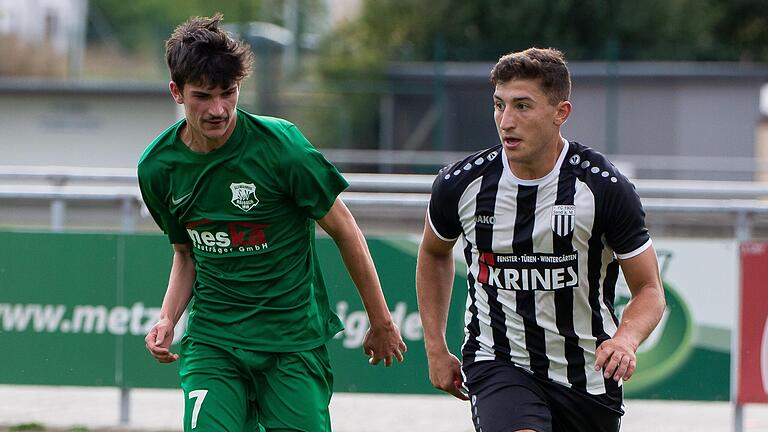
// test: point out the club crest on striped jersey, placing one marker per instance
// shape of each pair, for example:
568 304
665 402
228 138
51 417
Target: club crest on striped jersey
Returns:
563 219
244 196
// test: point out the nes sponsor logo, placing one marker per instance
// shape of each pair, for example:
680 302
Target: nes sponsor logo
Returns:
529 272
244 195
228 237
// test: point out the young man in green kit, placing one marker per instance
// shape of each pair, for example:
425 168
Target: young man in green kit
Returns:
238 196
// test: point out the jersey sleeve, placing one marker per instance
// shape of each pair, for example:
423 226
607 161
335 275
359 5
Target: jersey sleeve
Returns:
154 196
443 214
312 181
625 232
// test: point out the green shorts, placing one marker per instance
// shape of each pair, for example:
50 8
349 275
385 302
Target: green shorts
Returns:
236 390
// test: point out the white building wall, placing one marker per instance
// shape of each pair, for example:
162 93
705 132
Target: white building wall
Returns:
58 24
107 129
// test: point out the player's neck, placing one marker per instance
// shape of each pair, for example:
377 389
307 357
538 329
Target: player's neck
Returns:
540 165
199 143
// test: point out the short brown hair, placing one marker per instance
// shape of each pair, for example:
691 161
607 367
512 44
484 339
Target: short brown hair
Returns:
200 52
547 65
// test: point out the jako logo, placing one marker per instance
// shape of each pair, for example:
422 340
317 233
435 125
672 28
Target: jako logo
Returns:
485 219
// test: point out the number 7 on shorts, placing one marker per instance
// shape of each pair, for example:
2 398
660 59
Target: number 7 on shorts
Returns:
199 396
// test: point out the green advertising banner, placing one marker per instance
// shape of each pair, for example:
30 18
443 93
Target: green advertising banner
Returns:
688 356
74 309
396 264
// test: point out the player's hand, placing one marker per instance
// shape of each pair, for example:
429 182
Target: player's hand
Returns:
445 374
158 341
617 358
383 342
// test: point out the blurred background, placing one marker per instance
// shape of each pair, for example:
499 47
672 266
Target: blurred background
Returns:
675 92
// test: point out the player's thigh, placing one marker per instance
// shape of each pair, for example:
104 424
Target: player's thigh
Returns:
505 398
573 411
295 393
215 395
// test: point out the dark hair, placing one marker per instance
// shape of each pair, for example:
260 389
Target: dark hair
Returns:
199 52
546 65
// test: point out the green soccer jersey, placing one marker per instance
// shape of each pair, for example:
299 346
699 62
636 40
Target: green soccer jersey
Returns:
248 209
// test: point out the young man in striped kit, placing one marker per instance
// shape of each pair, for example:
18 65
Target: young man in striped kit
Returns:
546 223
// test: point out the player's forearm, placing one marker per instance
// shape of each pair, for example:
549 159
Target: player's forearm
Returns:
357 259
179 290
641 315
434 282
341 226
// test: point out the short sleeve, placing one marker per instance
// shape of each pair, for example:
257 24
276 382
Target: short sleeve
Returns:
152 193
312 181
625 232
443 214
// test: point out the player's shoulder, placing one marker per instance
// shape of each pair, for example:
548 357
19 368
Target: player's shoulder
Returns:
458 175
274 125
594 168
160 145
270 130
277 134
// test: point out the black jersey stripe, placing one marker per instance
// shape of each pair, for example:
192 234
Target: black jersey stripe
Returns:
522 242
525 219
594 274
486 205
609 288
564 315
609 294
471 344
594 270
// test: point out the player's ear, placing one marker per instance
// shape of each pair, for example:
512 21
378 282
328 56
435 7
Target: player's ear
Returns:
176 92
563 111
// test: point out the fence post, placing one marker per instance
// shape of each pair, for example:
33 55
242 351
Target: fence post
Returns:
743 233
125 406
58 214
129 214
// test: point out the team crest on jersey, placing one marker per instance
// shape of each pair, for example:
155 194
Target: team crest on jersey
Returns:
244 195
563 219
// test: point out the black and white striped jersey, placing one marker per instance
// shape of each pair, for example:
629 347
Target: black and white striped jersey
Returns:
541 258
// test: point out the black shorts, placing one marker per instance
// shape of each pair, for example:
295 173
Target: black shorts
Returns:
507 398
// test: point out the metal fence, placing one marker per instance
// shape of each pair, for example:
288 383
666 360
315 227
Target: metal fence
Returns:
739 209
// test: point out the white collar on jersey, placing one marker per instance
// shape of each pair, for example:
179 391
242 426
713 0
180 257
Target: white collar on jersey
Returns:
555 170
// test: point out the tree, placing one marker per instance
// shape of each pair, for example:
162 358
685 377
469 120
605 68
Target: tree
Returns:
142 25
483 30
744 26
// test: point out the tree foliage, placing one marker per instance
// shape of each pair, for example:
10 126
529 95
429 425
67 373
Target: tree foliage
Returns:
482 30
745 26
142 25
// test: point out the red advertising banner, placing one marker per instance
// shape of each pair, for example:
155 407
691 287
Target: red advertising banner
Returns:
753 324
